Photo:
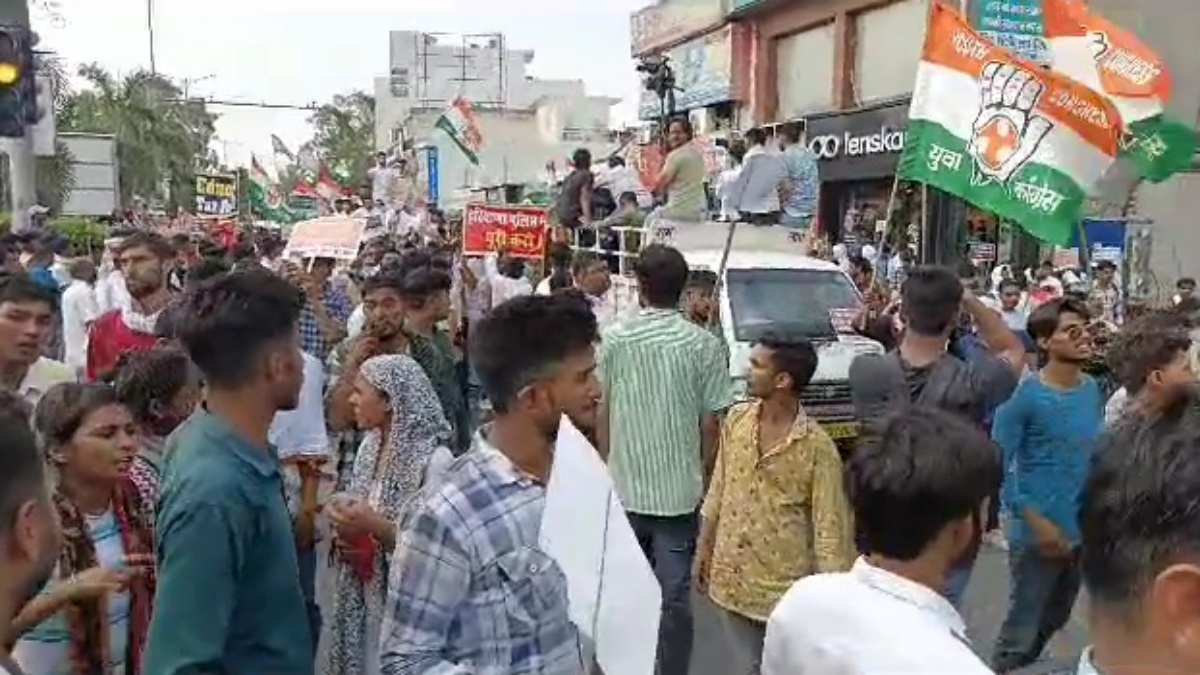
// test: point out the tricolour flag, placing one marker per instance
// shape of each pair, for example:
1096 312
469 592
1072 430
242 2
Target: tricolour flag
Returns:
1002 133
283 157
1111 60
326 186
459 124
265 199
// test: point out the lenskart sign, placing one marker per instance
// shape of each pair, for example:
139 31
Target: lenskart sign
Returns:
849 144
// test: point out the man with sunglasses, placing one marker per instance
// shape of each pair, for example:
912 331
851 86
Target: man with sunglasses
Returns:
1047 430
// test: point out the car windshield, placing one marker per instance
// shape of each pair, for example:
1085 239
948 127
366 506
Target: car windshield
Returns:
788 301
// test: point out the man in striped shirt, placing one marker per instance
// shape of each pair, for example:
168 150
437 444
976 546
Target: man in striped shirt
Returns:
665 379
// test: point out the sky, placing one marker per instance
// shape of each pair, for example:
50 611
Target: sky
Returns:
304 51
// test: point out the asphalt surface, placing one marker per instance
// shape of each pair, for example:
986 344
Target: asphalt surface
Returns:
986 605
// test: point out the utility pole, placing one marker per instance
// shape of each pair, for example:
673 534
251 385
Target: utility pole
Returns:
21 165
150 32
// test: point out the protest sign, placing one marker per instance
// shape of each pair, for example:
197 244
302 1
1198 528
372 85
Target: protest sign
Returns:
216 194
337 237
520 230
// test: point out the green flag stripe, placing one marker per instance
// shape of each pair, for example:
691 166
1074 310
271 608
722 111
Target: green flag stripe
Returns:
1160 147
447 126
1043 200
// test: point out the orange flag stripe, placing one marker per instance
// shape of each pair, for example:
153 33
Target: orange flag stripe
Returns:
950 42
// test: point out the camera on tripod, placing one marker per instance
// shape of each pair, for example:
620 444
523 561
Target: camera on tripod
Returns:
659 76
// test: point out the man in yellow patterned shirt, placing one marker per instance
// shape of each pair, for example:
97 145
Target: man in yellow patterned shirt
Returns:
776 510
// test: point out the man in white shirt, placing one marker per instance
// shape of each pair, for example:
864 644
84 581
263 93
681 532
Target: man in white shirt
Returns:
26 317
303 443
505 275
918 513
79 310
621 179
755 193
591 276
383 179
728 178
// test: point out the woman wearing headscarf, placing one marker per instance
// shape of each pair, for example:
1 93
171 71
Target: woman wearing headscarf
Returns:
405 447
93 617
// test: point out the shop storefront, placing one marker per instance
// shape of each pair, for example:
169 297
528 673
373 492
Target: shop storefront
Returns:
857 152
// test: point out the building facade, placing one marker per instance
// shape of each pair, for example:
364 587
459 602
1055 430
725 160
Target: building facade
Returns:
846 67
426 71
707 53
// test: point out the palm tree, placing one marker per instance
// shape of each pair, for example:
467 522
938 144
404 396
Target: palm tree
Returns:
161 139
55 177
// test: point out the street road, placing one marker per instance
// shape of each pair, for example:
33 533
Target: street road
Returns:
987 603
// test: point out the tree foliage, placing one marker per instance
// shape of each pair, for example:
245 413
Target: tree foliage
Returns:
343 135
162 140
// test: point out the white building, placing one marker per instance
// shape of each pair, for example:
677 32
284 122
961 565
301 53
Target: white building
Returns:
517 144
526 122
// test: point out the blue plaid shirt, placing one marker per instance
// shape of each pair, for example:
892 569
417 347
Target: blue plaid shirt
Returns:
339 307
806 183
469 592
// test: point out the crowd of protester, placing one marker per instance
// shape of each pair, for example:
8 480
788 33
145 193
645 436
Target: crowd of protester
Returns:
187 426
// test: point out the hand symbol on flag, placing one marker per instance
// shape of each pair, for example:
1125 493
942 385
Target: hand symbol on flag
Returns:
1007 131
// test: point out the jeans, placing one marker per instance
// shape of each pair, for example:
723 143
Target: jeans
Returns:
308 586
796 222
1042 594
745 638
669 543
956 586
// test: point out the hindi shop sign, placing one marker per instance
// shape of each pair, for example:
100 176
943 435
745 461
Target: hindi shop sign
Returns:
520 230
216 195
1016 25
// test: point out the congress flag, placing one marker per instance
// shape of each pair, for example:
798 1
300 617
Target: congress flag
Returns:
1004 134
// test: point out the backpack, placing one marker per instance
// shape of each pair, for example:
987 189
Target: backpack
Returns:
948 387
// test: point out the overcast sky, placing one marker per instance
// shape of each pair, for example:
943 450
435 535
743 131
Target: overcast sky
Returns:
300 51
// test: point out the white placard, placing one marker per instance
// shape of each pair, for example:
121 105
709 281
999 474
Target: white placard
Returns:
615 599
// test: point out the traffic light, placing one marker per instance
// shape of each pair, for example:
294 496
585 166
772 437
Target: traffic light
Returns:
18 85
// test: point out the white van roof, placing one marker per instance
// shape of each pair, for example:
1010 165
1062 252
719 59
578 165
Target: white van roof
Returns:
753 247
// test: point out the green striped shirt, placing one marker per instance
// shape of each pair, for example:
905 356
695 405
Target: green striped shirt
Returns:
661 374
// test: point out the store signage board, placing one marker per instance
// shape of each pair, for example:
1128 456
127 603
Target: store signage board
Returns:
703 73
1016 25
670 22
860 144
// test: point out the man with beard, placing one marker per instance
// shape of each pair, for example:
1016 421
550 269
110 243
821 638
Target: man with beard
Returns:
383 333
145 260
472 591
29 530
683 175
1047 430
229 599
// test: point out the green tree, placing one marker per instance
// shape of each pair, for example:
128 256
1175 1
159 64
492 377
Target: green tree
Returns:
343 134
55 177
162 140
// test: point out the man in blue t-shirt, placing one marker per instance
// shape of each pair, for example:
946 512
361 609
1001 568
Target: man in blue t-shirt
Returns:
1047 430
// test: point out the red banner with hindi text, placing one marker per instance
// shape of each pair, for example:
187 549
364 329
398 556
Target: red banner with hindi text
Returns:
520 230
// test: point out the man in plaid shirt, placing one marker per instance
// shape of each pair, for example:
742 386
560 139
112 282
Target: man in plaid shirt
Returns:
470 591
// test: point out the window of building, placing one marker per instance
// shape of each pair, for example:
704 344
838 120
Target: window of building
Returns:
887 49
804 72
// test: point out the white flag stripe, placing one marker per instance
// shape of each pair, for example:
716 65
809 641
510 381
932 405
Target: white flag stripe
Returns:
951 99
1072 56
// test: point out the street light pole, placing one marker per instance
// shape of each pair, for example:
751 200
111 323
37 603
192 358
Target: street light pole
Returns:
150 31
